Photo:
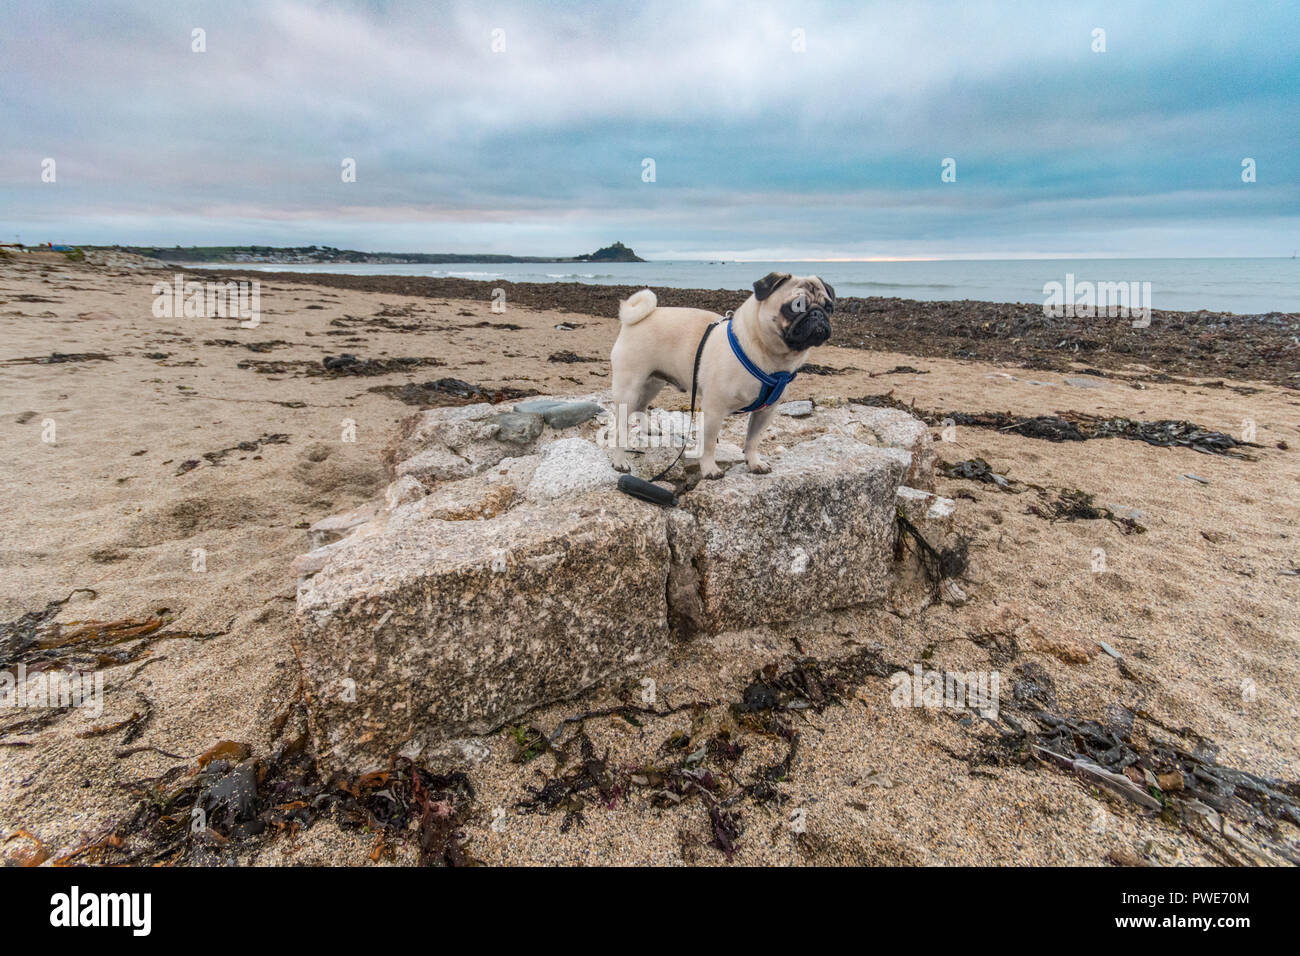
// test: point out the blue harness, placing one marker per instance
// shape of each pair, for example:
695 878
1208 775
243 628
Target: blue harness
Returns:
773 384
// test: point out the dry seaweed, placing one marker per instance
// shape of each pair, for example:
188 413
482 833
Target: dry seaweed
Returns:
698 769
1180 779
216 457
1080 426
59 358
940 564
339 366
1060 504
450 391
1071 504
38 642
265 346
231 799
977 469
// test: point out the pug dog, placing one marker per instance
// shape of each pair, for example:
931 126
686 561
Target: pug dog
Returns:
785 318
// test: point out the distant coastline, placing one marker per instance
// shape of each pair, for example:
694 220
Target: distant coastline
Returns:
305 255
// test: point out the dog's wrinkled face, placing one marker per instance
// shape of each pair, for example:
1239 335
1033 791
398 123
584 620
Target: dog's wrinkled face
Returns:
797 308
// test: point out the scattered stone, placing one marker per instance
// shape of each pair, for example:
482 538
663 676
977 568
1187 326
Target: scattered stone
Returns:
1086 383
1170 782
925 507
402 491
537 405
569 414
339 526
451 443
1063 643
1110 650
517 428
725 453
1132 514
952 593
561 414
795 409
1190 477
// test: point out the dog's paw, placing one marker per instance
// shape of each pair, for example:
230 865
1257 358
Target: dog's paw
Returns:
621 466
711 474
759 467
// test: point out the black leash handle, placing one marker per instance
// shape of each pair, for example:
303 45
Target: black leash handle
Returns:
648 490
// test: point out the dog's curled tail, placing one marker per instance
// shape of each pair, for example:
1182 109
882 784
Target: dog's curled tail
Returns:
637 306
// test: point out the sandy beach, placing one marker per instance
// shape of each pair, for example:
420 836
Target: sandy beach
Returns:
165 470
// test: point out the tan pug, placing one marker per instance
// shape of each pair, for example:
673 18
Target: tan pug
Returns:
776 328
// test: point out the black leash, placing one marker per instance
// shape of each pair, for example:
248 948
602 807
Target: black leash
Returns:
648 490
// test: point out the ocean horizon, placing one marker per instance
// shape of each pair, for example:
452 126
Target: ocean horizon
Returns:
1244 286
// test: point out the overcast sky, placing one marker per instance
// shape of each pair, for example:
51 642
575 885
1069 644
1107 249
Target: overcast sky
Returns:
760 151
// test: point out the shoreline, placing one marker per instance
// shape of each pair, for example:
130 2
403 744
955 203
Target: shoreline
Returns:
1199 343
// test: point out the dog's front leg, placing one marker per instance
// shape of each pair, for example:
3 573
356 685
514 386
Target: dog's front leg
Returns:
757 422
710 424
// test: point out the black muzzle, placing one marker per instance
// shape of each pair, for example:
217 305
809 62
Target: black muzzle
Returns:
810 329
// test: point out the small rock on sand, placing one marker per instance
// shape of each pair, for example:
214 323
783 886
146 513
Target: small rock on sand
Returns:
561 414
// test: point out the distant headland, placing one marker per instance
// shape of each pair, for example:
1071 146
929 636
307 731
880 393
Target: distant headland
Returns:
295 255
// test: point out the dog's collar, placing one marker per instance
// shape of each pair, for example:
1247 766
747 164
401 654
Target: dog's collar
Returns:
774 383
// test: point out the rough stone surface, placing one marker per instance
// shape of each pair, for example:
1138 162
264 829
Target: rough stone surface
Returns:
561 414
402 491
813 535
925 507
538 405
448 443
894 428
433 629
338 526
570 466
911 589
725 453
517 428
796 409
569 414
506 572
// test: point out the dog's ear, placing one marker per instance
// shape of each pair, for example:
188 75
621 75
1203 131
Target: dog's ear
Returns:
767 285
830 290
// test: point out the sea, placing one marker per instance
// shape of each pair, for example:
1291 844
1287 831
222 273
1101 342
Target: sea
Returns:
1243 286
